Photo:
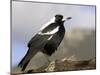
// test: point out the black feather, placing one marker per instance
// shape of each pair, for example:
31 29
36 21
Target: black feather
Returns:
54 42
24 62
41 43
35 45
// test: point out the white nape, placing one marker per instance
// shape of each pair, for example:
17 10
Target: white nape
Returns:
64 19
50 32
47 24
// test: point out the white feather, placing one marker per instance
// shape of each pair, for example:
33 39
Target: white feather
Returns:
50 32
48 23
50 37
64 19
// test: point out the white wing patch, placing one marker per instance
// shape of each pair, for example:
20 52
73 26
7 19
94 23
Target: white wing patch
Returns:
50 32
50 37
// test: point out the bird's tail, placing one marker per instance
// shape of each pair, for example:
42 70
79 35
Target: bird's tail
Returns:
24 62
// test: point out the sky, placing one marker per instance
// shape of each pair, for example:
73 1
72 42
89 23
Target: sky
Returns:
28 17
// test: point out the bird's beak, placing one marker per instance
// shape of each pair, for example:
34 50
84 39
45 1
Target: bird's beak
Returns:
68 18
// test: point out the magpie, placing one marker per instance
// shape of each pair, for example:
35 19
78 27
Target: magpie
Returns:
46 40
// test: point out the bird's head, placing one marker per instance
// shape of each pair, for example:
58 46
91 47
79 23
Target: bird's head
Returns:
58 18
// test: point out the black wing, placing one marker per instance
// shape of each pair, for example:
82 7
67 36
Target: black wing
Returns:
38 40
35 45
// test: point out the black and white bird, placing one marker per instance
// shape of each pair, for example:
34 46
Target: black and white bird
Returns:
46 40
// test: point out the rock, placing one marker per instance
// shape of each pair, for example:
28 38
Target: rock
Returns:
50 67
66 65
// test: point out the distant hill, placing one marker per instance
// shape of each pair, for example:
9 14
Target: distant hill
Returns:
79 44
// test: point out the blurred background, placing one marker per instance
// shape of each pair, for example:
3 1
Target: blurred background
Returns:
79 40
